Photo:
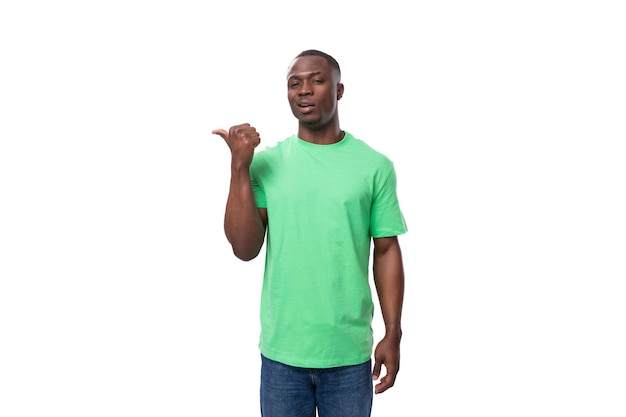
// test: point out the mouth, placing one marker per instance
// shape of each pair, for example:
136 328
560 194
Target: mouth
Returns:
305 106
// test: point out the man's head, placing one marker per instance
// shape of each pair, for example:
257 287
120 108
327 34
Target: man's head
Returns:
331 61
313 88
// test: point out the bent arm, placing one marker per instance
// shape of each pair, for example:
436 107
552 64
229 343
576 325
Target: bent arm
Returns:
244 223
388 273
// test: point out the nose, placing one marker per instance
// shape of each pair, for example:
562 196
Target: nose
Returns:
305 88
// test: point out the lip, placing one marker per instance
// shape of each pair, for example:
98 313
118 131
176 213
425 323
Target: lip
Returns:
305 107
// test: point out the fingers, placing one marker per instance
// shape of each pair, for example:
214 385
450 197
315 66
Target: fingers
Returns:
387 354
243 133
376 370
388 380
241 140
244 136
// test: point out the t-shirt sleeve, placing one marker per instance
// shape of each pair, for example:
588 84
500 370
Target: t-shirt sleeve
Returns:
386 216
257 187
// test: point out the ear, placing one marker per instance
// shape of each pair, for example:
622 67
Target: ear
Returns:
339 91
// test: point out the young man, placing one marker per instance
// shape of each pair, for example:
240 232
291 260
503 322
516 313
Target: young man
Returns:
322 197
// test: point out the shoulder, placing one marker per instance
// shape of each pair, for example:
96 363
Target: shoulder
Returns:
269 154
369 153
275 148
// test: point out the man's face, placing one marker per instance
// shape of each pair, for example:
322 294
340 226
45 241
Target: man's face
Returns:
313 89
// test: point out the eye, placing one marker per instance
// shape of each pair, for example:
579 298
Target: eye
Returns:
318 81
294 84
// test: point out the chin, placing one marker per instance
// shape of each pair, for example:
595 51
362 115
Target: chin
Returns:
312 125
310 122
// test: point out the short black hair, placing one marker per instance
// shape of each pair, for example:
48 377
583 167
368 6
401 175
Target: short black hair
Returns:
314 52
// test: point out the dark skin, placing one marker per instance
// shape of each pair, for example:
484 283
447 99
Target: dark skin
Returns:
314 89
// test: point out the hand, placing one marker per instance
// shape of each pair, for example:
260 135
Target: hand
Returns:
387 353
241 139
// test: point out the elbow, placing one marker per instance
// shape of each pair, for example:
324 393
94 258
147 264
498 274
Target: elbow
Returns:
246 254
246 244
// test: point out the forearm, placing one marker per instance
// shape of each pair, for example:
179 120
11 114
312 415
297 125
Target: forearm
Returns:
389 280
243 225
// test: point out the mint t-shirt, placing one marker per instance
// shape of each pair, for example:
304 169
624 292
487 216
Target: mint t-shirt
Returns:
324 205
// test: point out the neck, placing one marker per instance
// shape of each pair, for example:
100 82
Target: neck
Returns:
326 135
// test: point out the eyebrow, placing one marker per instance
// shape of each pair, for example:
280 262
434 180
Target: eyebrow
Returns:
310 74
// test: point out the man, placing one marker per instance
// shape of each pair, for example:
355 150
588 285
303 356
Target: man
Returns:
321 196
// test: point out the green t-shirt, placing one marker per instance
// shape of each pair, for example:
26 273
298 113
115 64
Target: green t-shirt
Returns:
324 205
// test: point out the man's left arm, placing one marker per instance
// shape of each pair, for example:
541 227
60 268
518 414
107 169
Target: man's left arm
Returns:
388 273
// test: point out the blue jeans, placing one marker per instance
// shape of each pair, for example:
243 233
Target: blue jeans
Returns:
288 391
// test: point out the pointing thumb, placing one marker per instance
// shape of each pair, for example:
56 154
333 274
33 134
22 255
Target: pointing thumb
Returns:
221 132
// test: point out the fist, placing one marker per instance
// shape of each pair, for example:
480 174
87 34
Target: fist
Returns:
241 139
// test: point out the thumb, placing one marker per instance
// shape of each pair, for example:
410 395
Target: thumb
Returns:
221 132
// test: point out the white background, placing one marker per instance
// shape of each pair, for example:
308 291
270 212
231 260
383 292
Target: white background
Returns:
119 295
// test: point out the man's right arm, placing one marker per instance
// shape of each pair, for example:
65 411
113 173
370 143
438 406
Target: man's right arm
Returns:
244 223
